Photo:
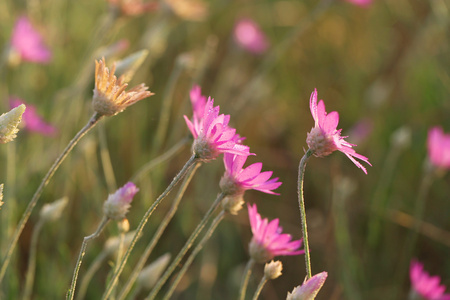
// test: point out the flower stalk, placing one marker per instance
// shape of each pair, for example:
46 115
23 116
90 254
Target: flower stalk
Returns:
245 278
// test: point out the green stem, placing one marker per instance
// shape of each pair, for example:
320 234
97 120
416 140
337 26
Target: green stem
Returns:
245 278
86 239
301 204
26 215
194 253
259 288
89 274
108 170
144 220
185 248
29 279
165 221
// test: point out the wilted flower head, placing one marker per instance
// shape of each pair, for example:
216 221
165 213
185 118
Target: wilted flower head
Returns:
134 7
31 119
237 180
118 204
211 132
309 289
249 36
424 285
272 270
9 122
268 241
324 138
439 148
362 3
27 42
110 97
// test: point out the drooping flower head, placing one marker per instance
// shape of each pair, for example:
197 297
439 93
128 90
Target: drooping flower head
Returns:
424 285
237 180
268 241
118 204
110 97
27 42
325 138
9 123
439 148
212 135
250 37
362 3
31 119
309 289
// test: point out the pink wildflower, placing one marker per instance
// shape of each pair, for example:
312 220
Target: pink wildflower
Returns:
425 285
362 3
198 102
250 37
27 42
212 134
118 204
439 147
268 241
324 138
32 120
309 289
237 180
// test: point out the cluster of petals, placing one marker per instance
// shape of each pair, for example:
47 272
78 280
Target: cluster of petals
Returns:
325 138
28 43
118 204
426 286
268 240
362 3
439 147
309 289
110 97
211 131
238 180
31 119
250 37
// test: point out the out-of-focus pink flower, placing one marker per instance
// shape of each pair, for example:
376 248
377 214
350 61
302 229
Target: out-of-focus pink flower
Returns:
439 147
268 241
27 42
118 204
423 284
249 36
324 138
362 3
237 180
31 119
211 132
309 289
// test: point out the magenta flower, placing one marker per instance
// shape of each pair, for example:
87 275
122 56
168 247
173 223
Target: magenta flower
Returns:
31 119
249 36
268 241
439 147
198 102
425 285
324 138
27 42
118 204
362 3
237 180
309 289
211 132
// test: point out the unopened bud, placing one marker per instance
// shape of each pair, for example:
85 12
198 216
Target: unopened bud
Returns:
233 204
272 270
309 289
112 244
52 211
151 273
118 204
9 122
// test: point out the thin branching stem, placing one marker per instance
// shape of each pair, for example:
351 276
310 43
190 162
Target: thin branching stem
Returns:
245 278
185 248
26 215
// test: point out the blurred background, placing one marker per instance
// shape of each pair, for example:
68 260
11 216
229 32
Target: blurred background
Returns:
383 66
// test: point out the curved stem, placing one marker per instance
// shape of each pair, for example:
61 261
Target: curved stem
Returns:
89 274
29 280
144 220
86 239
165 221
301 204
245 278
185 248
26 215
259 288
194 253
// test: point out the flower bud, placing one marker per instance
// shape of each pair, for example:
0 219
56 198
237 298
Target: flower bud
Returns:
309 289
52 211
9 122
233 204
118 204
112 244
151 273
272 270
